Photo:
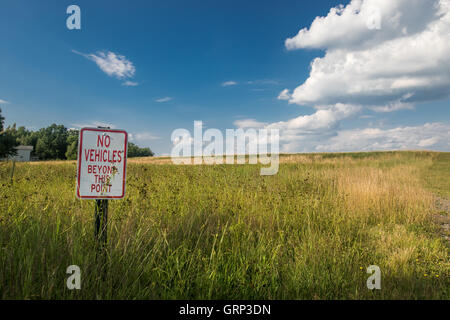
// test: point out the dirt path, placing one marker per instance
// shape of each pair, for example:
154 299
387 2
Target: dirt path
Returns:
443 218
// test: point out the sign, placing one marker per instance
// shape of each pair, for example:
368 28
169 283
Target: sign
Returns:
102 163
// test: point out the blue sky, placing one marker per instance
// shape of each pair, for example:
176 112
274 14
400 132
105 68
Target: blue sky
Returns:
181 55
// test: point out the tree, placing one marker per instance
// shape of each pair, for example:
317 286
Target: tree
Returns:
135 151
7 140
72 145
24 136
2 120
7 144
52 142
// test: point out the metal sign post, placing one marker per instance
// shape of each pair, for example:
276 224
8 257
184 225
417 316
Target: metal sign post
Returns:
101 222
12 170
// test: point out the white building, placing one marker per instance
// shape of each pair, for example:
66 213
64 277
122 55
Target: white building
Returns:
23 153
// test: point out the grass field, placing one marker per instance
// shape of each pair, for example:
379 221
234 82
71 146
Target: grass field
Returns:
225 232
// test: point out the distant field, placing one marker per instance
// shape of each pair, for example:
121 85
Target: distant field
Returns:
225 232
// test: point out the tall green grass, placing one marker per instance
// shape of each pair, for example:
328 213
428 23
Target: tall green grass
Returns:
225 232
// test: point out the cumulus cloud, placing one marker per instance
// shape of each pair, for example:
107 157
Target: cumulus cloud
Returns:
325 118
322 132
228 83
430 136
409 55
353 25
114 65
298 134
380 55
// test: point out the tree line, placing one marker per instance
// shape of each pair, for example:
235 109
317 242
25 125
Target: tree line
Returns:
52 142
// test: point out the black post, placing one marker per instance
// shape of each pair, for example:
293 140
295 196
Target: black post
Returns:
101 222
12 170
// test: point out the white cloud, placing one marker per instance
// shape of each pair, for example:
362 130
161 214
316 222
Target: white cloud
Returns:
381 55
93 124
321 132
3 101
324 119
129 83
298 134
142 136
354 24
263 82
249 123
114 65
394 106
165 99
284 95
408 56
430 135
428 142
228 83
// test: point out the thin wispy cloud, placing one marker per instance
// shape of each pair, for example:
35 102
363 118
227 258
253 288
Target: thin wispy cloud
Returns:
229 83
263 82
394 106
93 124
113 64
130 83
143 136
165 99
249 123
258 89
3 101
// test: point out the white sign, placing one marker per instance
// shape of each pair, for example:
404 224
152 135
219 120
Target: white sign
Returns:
102 163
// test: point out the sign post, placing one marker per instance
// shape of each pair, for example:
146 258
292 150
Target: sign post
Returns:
12 170
101 221
101 173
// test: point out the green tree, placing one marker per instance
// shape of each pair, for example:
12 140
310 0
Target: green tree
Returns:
135 151
72 145
7 139
2 120
24 136
52 142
